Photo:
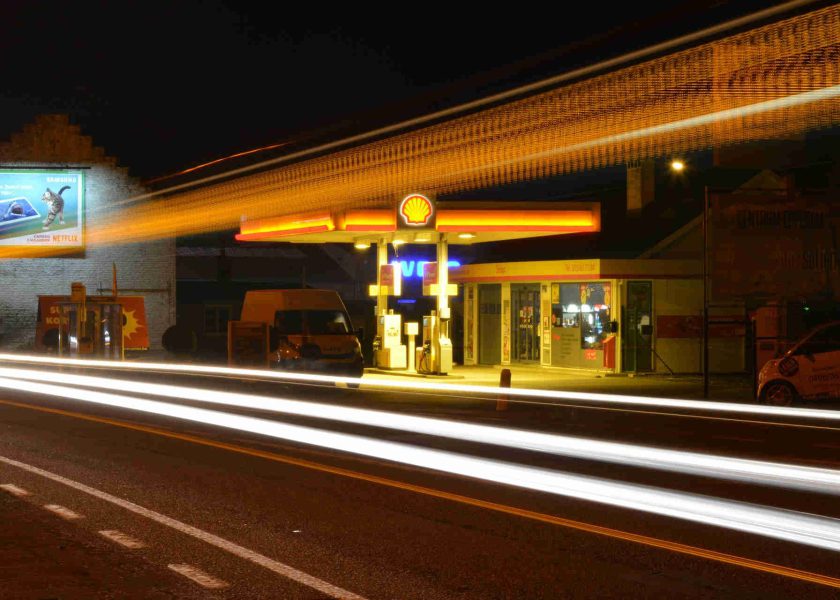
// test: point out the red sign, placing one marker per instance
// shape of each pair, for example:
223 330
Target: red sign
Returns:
386 275
416 210
590 354
430 273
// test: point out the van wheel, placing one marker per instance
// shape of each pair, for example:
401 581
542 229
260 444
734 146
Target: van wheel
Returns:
778 393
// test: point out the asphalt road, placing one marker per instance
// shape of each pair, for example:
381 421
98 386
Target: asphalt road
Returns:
221 513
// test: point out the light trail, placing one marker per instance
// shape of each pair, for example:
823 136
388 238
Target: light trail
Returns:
741 112
488 101
645 110
813 479
504 509
786 525
439 388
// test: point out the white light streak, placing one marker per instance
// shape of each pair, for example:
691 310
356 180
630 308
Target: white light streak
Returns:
445 388
812 530
752 471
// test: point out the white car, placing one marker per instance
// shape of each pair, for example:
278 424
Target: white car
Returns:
808 371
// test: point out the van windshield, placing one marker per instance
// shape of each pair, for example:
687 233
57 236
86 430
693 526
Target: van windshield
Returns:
311 322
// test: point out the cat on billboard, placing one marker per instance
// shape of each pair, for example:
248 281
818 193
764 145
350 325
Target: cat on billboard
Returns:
42 209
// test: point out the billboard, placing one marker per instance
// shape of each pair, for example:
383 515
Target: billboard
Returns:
42 209
765 245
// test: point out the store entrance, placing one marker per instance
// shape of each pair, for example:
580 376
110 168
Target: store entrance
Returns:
525 322
489 324
637 346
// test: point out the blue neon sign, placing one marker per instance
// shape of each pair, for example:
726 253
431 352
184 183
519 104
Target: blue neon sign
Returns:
412 268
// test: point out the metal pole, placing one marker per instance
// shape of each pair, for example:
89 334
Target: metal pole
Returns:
443 281
381 259
705 292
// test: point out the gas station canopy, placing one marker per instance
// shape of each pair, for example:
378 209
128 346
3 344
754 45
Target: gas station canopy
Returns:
417 220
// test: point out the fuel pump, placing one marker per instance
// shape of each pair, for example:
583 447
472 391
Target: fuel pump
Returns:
390 353
435 355
89 328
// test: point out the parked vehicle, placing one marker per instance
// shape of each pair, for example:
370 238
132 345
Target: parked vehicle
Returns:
810 370
303 330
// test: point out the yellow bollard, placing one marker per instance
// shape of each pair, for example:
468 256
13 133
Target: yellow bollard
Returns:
504 382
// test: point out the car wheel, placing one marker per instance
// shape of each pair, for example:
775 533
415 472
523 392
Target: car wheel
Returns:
778 393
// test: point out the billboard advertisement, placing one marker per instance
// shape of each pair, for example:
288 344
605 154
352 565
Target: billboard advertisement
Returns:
42 209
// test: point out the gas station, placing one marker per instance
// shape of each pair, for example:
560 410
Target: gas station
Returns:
418 219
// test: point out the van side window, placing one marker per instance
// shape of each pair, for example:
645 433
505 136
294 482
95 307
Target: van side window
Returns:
289 322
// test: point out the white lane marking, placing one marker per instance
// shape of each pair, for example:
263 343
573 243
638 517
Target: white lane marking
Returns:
199 576
64 513
14 490
122 539
214 540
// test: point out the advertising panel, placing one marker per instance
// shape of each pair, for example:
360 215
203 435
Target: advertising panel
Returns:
42 209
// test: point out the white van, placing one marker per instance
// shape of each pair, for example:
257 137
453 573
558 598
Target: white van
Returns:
808 371
310 330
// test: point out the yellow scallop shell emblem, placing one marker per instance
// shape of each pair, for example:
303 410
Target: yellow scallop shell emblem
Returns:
416 210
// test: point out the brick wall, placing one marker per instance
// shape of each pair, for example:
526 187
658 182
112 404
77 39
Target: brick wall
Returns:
146 269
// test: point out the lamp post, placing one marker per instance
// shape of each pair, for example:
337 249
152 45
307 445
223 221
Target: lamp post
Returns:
705 291
678 166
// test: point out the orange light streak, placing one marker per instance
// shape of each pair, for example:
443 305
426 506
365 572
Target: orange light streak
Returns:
215 162
289 225
774 81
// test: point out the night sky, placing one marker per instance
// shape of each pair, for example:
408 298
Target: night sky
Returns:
167 85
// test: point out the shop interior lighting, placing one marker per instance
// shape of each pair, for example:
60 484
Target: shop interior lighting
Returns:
361 245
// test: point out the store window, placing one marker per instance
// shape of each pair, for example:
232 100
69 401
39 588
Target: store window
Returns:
586 306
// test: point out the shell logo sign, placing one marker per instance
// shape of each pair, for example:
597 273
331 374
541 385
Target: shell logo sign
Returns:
416 210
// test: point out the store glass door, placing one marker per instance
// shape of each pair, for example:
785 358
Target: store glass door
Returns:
490 324
525 322
637 343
